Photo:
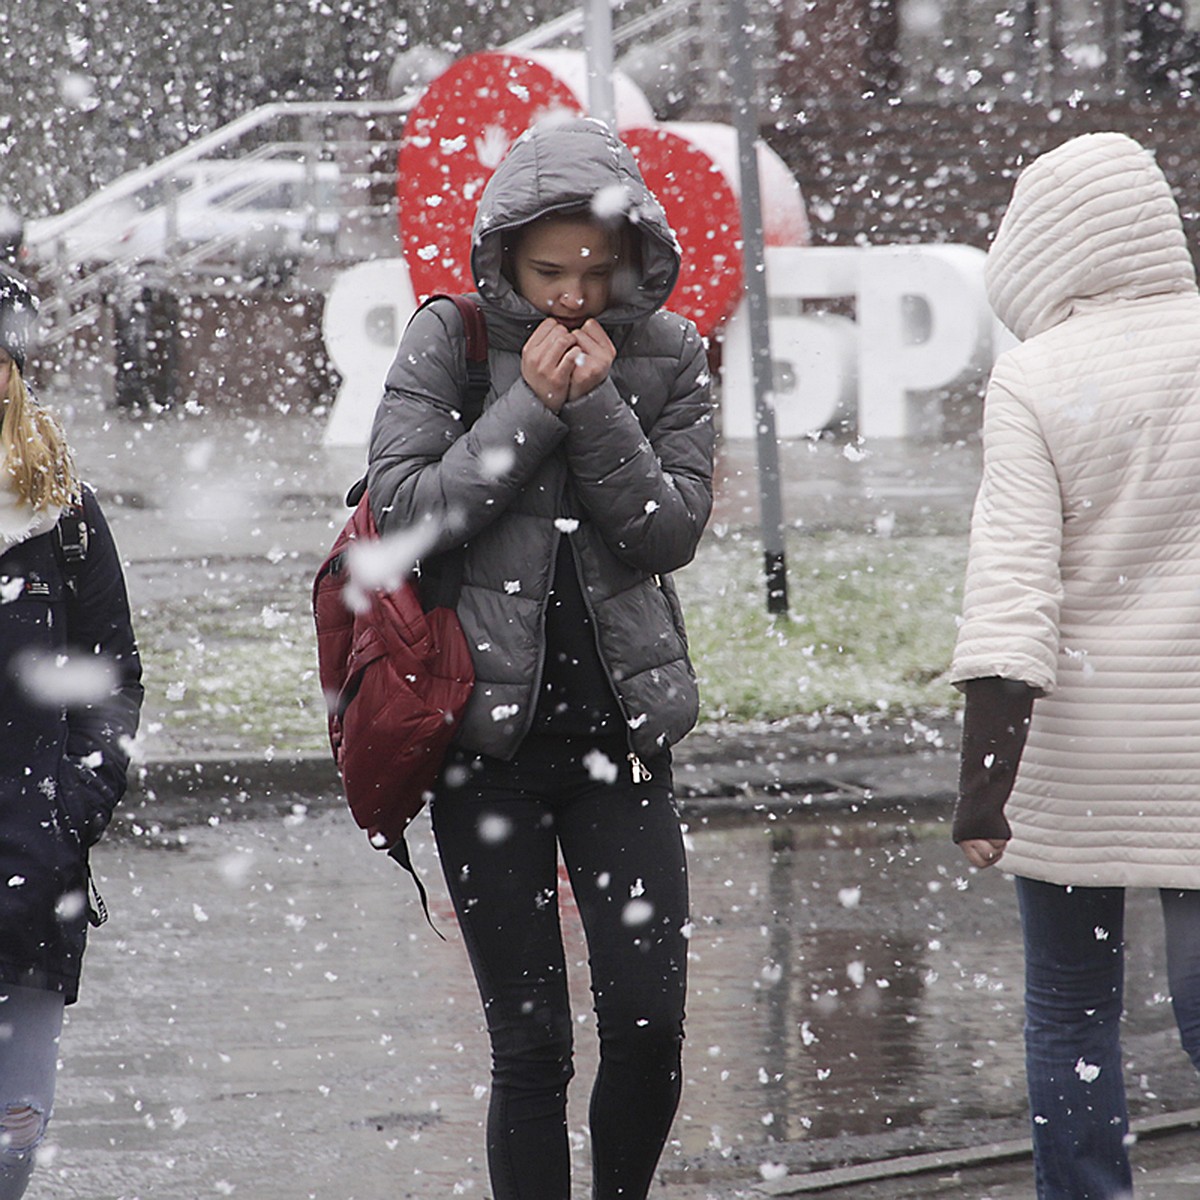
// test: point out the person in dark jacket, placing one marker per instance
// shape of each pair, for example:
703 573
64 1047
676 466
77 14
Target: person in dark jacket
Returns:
586 480
70 695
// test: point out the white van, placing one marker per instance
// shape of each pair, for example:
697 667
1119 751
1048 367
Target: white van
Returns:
228 210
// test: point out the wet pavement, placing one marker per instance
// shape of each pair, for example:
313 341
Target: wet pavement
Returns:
267 1013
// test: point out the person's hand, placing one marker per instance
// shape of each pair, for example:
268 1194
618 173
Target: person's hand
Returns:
593 358
547 362
983 852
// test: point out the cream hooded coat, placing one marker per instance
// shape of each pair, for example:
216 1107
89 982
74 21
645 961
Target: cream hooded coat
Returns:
1084 571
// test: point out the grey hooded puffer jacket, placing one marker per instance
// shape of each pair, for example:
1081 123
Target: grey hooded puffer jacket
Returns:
624 472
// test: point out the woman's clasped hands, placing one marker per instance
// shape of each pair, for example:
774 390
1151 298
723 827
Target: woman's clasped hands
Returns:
560 363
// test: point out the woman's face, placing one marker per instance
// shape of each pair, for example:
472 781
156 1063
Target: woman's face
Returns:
564 268
6 370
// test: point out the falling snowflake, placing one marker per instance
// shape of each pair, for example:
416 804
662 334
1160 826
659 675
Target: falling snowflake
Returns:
497 461
272 617
494 829
610 202
66 679
600 768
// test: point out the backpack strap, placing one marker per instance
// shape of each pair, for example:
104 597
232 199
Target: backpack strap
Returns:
399 853
70 546
479 378
475 329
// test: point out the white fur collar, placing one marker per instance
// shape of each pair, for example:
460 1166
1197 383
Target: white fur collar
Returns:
19 520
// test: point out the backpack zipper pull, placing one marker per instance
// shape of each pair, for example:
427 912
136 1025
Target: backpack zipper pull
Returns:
638 769
97 910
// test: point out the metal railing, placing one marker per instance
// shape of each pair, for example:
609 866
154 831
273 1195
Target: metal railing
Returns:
361 138
80 259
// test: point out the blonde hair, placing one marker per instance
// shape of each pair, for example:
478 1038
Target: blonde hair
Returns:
36 454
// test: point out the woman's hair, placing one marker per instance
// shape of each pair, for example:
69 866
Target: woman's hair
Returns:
625 242
36 454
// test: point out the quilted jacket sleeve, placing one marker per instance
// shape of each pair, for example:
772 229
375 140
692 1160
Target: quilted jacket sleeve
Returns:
423 467
649 494
1013 588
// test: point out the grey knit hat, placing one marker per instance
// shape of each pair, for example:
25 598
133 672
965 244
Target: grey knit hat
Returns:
18 311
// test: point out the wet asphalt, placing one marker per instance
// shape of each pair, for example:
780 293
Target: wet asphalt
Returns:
267 1013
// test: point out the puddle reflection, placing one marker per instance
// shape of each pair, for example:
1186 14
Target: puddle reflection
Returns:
852 979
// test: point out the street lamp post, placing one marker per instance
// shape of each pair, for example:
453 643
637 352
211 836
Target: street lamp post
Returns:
745 120
598 51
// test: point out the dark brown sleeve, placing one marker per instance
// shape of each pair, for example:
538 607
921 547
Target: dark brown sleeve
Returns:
995 725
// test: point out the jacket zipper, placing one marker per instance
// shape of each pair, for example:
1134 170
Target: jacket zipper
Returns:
637 769
531 707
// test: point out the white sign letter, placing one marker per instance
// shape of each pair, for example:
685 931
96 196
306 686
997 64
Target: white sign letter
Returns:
923 322
365 313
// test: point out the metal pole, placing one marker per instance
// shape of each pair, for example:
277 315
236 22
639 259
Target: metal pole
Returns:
745 120
598 51
1047 49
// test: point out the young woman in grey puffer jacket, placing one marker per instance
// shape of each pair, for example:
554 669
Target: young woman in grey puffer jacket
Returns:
586 480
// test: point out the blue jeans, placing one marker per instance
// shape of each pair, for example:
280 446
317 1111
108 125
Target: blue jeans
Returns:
30 1025
1074 997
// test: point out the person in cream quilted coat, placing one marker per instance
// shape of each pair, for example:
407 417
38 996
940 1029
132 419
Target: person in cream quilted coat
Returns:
1079 648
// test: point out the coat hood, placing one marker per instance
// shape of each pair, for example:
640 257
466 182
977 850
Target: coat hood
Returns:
1093 220
560 165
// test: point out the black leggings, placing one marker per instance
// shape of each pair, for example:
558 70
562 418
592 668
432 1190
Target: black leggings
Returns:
499 827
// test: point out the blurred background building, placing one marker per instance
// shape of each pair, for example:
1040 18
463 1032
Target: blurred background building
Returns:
250 150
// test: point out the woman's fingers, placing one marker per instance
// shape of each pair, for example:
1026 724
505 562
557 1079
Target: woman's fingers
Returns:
547 362
983 852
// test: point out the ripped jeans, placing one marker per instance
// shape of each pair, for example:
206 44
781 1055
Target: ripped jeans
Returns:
1074 997
30 1025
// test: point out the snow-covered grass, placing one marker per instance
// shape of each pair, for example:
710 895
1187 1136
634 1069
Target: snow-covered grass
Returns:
870 630
870 627
232 670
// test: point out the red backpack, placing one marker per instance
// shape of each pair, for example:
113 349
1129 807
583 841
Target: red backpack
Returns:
396 678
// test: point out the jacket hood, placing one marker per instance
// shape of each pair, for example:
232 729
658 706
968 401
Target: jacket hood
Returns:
560 165
1093 220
